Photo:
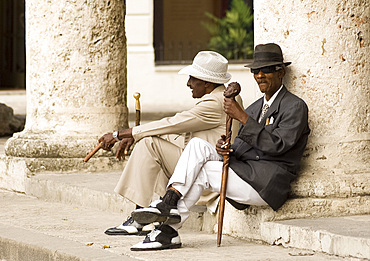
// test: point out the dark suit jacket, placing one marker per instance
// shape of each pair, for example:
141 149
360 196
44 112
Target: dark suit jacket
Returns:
268 156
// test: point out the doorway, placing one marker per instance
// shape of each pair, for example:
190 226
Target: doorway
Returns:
12 45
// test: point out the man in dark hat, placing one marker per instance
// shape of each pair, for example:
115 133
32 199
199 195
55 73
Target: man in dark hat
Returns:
264 158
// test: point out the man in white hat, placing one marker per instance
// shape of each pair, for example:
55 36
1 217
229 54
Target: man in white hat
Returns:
155 154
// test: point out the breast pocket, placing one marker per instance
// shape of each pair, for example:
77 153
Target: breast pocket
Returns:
271 123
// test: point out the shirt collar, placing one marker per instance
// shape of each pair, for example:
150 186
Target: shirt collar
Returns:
269 102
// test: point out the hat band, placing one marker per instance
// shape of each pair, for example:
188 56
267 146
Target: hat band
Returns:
268 57
208 72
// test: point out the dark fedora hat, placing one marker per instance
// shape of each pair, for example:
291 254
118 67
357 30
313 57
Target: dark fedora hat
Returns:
267 55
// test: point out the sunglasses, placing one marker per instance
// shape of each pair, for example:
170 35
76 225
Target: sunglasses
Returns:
267 69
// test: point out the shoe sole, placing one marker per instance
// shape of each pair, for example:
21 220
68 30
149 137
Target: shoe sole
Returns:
123 233
143 217
172 246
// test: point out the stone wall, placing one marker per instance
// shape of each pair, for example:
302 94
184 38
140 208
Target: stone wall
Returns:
328 43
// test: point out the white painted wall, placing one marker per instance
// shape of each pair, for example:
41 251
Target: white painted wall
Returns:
161 88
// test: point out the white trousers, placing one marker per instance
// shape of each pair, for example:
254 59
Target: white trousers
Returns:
200 168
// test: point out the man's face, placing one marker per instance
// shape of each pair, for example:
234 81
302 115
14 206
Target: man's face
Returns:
269 83
197 86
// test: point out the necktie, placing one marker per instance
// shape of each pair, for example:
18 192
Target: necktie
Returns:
265 108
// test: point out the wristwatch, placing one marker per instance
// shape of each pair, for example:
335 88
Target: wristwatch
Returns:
115 135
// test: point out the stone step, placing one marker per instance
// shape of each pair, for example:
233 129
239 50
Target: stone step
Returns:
95 190
347 236
32 229
344 235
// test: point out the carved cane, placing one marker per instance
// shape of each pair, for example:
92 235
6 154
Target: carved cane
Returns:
231 91
137 122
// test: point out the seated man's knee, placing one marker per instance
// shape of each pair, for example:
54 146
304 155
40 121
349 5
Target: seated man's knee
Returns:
196 140
199 142
144 142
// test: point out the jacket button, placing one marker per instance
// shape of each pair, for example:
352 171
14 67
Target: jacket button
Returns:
257 157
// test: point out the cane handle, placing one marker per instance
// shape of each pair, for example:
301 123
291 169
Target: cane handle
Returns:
137 103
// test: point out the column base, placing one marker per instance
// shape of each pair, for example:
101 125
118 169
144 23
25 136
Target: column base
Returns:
50 144
15 170
27 154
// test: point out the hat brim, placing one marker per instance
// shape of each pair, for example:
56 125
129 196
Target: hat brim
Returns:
190 70
256 65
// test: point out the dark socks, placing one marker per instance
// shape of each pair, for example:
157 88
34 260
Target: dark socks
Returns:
167 229
171 197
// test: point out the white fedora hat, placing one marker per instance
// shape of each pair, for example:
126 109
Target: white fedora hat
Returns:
208 66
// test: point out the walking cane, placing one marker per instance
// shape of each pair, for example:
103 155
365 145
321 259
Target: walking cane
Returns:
137 108
231 91
95 150
137 122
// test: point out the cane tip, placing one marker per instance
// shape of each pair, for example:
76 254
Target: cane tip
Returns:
136 95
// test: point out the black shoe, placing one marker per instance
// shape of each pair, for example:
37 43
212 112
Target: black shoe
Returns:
158 211
130 227
165 237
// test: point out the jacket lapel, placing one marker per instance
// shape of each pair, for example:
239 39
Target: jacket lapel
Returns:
255 113
276 104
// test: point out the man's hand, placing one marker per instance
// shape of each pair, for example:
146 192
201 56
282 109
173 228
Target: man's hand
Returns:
107 141
233 109
123 147
222 147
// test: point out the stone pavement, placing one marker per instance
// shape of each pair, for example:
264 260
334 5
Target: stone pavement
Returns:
33 229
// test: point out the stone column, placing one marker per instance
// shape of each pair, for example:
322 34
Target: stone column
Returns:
76 83
328 43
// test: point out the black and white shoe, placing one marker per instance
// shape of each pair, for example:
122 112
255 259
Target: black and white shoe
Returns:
130 227
158 211
165 237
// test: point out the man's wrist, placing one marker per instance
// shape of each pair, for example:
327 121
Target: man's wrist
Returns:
115 135
244 119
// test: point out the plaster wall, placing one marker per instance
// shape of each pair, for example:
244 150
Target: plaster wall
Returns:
162 89
328 45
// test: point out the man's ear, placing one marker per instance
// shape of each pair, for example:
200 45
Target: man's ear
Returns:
209 87
281 73
208 84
